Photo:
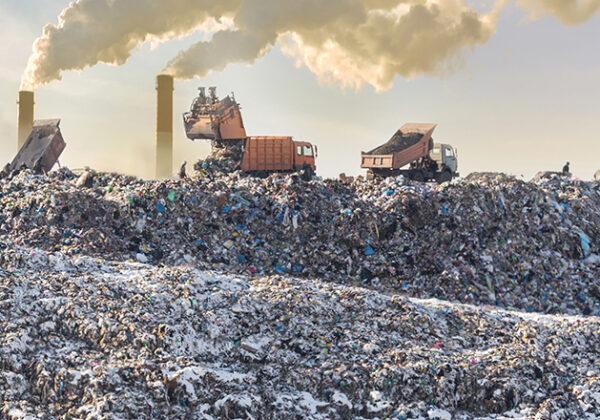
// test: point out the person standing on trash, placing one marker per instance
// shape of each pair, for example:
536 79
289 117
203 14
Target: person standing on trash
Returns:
182 174
566 170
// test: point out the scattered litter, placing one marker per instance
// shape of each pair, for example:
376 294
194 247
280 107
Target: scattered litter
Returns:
87 337
490 240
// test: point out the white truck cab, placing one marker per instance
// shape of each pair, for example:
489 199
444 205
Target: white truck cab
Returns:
445 156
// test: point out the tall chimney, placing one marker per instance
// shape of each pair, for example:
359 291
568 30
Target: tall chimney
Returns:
25 117
164 125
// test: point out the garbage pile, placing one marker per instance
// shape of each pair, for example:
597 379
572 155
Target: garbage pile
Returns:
86 338
223 158
397 143
494 240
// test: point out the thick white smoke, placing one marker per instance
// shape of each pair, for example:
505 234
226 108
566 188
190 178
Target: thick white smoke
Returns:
352 42
570 12
106 31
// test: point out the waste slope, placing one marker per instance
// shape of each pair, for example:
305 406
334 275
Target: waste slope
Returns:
86 338
494 240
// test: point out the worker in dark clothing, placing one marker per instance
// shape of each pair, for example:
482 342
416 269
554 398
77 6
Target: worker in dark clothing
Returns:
566 170
182 174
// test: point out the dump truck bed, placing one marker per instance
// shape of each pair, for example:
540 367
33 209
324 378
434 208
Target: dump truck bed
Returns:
268 154
403 148
42 148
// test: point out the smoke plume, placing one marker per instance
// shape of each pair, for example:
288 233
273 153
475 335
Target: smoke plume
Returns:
106 31
351 42
570 12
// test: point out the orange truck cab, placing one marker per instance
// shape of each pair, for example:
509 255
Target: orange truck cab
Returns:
277 154
305 155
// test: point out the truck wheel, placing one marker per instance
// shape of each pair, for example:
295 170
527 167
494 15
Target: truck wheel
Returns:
417 176
444 176
381 173
308 173
260 174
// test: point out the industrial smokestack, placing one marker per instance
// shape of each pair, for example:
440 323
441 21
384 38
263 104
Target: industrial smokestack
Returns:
25 117
164 125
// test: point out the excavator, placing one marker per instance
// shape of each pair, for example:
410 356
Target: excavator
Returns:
220 121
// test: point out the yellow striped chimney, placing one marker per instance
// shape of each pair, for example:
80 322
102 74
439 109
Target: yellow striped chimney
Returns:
25 117
164 125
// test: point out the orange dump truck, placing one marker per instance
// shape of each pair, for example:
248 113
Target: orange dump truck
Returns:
220 121
411 152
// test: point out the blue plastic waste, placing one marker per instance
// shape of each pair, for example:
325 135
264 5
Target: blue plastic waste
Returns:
585 243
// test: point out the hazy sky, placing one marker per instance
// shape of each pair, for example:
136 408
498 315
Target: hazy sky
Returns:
526 100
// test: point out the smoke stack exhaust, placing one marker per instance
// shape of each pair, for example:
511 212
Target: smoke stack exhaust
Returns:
164 125
25 117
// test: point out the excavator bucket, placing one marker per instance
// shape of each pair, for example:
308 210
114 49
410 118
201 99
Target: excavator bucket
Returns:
213 119
198 122
198 127
42 148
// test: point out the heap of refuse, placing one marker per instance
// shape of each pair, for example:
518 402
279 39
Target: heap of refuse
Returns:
87 338
224 158
490 240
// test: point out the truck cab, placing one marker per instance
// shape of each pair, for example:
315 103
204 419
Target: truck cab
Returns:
445 157
304 155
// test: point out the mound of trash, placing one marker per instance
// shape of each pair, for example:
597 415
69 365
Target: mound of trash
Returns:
86 338
223 158
493 240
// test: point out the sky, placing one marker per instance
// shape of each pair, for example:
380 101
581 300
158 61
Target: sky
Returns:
524 101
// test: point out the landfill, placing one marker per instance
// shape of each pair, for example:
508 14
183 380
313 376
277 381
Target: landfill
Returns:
89 338
220 295
494 240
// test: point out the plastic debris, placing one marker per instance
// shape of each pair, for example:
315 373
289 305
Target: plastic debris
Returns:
490 240
88 338
273 297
